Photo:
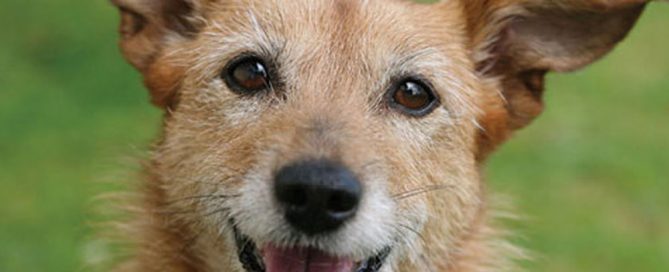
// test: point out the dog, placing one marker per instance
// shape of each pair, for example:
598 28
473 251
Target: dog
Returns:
342 135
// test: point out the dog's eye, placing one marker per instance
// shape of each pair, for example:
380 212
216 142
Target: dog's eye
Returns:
247 75
413 97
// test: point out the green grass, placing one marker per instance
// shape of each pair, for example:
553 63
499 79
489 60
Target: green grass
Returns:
590 175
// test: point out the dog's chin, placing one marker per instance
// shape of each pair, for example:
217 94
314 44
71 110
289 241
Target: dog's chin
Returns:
271 258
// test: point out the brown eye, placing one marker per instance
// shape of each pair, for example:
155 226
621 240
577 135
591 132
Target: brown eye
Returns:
414 98
247 76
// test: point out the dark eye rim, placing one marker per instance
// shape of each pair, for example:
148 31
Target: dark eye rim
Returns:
227 74
390 97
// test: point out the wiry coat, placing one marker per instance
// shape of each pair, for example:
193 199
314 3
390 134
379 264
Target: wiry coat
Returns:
425 196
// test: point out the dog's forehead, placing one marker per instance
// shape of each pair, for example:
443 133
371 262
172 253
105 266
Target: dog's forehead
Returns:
380 33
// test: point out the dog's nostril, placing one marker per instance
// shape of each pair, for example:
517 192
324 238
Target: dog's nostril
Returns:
295 196
318 196
342 202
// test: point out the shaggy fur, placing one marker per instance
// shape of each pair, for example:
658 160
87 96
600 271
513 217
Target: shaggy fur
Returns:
422 176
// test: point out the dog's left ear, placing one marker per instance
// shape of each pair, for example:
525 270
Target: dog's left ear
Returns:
516 42
147 27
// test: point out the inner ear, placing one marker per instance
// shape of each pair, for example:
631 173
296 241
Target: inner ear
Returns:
167 15
564 40
178 16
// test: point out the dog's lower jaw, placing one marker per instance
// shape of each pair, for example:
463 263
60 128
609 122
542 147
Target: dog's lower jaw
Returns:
483 249
166 245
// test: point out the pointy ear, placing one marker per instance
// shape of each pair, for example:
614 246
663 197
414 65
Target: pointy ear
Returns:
516 42
146 27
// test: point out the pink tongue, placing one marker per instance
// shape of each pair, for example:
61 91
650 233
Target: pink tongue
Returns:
303 260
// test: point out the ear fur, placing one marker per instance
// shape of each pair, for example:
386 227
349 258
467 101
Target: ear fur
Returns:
145 28
516 42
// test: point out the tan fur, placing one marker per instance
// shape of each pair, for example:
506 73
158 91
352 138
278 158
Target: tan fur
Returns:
337 59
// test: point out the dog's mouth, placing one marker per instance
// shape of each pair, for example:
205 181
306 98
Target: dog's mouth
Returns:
275 259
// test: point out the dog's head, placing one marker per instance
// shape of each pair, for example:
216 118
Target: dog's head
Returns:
345 135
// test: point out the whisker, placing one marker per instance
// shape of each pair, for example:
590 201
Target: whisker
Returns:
413 230
222 199
198 197
370 164
216 211
422 190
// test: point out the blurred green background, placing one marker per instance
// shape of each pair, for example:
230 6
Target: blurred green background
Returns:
590 176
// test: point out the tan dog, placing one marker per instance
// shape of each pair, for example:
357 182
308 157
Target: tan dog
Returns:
342 135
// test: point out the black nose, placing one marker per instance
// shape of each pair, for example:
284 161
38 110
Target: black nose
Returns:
318 196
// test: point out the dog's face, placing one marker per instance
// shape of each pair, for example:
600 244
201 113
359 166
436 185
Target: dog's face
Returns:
342 135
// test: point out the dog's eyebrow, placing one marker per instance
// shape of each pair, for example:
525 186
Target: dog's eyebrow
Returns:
427 58
260 32
245 34
427 62
249 37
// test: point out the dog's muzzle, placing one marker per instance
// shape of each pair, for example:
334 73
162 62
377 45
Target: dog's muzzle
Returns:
317 197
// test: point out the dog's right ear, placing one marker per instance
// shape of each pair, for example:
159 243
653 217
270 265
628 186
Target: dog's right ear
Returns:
146 27
516 42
